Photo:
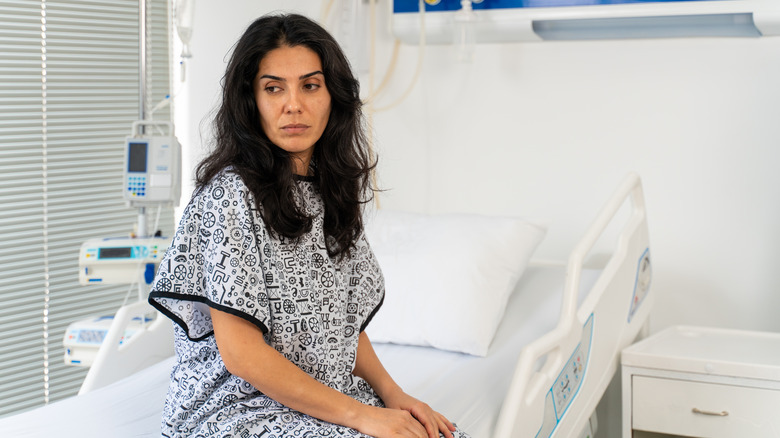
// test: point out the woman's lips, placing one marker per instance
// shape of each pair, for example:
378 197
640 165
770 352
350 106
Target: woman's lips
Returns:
295 128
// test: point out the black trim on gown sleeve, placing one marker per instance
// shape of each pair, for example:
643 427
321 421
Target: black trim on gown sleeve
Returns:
371 315
203 300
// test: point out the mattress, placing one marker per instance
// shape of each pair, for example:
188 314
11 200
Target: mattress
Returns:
469 390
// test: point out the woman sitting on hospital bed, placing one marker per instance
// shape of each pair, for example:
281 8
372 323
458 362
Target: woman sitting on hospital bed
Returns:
269 277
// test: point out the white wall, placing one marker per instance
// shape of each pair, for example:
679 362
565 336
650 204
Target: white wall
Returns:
547 130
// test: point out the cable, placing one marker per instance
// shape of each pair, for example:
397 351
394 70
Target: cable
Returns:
390 70
420 57
370 101
326 10
373 93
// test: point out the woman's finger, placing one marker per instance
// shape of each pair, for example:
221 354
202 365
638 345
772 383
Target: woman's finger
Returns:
447 423
445 427
432 427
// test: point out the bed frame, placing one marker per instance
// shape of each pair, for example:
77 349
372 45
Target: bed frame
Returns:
559 378
581 355
115 361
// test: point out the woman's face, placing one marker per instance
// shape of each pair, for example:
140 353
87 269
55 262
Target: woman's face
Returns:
293 101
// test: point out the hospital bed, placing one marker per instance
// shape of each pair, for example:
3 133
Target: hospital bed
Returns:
554 350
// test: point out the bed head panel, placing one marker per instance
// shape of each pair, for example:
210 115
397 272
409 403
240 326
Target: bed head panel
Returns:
609 318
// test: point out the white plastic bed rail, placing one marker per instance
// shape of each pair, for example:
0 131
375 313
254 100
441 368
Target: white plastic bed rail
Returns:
615 325
143 349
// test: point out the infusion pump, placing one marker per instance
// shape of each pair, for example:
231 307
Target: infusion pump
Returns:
152 168
121 260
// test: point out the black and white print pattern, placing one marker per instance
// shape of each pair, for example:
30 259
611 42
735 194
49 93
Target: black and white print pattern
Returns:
311 308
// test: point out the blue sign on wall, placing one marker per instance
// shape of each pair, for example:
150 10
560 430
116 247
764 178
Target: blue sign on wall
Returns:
400 6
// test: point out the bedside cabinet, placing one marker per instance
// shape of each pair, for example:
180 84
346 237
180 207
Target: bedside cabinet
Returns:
702 382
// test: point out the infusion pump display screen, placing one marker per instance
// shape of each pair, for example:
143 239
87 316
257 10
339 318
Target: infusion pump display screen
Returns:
136 159
115 253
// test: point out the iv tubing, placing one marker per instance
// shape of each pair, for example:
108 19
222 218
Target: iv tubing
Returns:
420 57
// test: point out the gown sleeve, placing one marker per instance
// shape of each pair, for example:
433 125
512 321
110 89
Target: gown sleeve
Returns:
372 284
215 261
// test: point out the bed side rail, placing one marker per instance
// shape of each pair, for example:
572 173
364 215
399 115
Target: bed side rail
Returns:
143 349
590 337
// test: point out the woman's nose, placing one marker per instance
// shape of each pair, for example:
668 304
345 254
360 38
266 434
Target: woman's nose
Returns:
293 103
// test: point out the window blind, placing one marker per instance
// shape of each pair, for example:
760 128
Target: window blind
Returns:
70 90
21 216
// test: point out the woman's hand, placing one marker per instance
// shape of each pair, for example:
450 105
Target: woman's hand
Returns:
432 421
386 423
368 366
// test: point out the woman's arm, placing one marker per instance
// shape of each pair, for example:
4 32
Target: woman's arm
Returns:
247 355
369 367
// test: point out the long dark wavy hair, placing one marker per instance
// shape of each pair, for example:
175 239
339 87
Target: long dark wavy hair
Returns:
341 161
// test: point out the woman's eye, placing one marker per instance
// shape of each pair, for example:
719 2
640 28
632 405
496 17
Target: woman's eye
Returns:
272 89
311 87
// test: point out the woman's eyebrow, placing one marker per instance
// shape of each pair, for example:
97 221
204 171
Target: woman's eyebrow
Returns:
318 72
273 78
307 75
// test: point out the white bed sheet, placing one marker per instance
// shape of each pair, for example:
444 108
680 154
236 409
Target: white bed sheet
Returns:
467 389
470 390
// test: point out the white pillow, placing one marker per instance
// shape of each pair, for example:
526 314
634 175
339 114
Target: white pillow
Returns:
447 277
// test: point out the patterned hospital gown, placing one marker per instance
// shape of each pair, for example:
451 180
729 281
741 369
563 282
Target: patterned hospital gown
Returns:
310 307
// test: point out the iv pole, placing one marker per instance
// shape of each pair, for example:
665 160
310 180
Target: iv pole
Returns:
142 227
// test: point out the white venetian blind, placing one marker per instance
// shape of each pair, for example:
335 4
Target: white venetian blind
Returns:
22 281
69 84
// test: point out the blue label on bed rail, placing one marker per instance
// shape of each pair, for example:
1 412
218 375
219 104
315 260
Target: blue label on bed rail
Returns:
644 275
568 383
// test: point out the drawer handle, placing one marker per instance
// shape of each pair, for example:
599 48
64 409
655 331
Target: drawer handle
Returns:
713 413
